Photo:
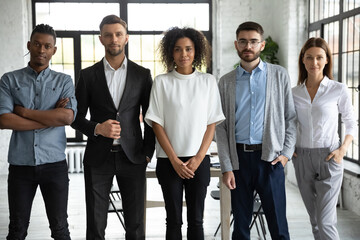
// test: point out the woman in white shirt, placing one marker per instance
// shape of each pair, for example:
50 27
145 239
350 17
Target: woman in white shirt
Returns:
319 153
183 111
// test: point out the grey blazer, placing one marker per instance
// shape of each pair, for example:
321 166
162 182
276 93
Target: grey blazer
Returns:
279 134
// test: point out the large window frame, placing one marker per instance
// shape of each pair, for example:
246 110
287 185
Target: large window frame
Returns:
76 35
316 27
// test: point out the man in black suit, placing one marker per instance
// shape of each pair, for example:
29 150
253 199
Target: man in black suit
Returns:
114 90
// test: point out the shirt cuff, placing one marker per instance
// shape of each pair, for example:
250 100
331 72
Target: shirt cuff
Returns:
286 156
95 130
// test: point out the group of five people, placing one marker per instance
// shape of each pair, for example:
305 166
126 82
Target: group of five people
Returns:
256 117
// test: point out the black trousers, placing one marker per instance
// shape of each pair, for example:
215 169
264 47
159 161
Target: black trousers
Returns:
131 181
195 192
23 181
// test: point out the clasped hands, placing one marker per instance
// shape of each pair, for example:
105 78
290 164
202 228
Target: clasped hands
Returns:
186 170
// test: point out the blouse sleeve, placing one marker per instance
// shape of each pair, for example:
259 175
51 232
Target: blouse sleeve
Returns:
347 112
215 113
155 112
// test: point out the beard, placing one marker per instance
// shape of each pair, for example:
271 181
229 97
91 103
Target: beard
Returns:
114 52
247 58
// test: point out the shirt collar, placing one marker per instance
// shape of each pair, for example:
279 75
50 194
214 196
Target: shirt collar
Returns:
44 72
260 67
324 82
107 65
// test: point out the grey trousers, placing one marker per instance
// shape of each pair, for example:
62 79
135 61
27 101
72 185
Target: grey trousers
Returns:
319 183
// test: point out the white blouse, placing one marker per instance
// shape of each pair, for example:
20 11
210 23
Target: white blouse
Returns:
184 105
318 121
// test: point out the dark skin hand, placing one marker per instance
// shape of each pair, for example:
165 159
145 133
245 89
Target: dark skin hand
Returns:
61 103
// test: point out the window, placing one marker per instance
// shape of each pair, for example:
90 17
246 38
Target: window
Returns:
76 23
338 22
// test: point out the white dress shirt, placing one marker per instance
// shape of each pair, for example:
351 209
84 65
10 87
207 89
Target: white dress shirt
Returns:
116 80
318 120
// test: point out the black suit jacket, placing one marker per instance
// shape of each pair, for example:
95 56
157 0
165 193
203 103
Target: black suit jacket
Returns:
92 93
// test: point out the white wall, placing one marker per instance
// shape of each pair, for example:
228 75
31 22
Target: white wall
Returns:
14 32
283 20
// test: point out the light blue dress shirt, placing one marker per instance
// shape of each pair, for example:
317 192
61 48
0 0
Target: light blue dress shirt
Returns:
250 104
41 92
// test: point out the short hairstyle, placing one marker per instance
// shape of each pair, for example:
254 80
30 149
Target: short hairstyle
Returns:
43 28
167 44
250 26
112 19
315 42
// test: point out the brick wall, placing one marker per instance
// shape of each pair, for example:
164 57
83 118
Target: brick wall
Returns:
283 20
14 32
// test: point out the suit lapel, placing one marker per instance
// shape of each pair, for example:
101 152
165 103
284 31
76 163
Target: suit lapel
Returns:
103 86
129 85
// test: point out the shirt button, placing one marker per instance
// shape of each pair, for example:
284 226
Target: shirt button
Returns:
35 145
252 92
37 94
252 122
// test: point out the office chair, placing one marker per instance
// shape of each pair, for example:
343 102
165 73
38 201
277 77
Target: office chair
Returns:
115 203
258 214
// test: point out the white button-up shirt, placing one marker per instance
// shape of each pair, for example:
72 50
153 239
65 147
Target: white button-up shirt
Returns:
318 120
116 80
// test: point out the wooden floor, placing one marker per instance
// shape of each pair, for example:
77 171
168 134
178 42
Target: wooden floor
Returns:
299 226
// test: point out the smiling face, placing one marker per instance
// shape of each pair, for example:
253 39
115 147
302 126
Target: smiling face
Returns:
315 61
41 47
114 38
254 45
184 54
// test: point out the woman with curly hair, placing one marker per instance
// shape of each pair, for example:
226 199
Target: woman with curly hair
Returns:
184 109
319 153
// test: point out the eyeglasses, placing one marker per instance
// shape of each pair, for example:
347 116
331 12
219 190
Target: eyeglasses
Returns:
243 43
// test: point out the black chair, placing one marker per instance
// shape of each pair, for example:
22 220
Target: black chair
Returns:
115 203
258 214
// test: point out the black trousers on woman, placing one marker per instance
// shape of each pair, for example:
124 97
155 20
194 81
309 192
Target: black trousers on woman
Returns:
195 192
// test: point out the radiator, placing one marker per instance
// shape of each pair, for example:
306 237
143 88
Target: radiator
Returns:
74 157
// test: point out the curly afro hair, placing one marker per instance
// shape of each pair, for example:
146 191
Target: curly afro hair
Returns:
166 47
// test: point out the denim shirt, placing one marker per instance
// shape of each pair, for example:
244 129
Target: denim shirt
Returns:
40 92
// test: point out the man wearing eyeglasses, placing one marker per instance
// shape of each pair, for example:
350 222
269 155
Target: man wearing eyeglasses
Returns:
258 136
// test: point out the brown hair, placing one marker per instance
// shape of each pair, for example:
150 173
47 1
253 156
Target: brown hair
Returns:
250 26
315 42
112 19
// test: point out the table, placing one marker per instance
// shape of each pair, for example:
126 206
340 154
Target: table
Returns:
225 203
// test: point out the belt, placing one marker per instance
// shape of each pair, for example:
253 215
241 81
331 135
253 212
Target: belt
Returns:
249 148
116 148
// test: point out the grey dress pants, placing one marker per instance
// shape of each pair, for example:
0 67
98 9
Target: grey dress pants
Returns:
319 183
